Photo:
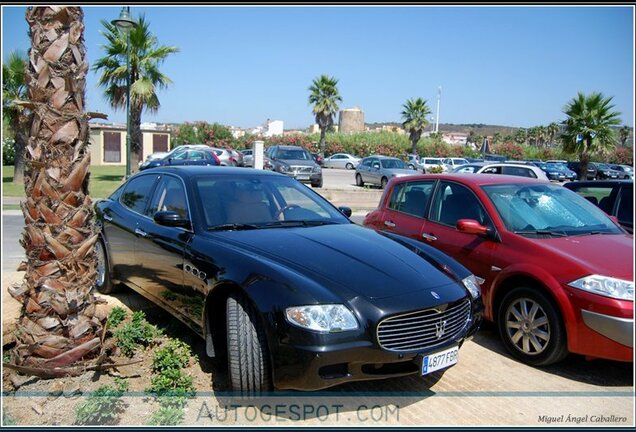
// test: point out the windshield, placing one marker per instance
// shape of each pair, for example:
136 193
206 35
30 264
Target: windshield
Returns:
258 201
392 164
294 154
533 210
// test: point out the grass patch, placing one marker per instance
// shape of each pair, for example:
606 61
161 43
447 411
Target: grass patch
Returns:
138 332
116 316
103 181
103 406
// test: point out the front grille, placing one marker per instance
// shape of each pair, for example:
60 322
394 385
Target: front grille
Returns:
423 329
301 169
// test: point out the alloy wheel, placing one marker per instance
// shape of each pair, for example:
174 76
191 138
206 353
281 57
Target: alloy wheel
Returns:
527 326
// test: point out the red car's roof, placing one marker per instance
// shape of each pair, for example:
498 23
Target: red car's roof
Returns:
474 179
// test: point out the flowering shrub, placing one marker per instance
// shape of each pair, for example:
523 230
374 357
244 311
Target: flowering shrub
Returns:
8 151
509 150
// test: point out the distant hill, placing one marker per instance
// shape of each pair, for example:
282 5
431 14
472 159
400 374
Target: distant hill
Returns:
478 128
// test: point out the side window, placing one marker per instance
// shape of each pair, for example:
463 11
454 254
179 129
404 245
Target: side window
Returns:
518 171
492 170
412 198
137 193
625 211
196 155
453 201
169 196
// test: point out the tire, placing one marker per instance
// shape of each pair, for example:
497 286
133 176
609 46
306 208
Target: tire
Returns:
547 349
247 354
103 283
383 182
349 166
359 181
318 184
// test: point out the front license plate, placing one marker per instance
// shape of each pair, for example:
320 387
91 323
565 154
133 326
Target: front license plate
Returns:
440 360
302 177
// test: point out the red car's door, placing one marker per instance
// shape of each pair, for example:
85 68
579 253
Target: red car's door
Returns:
405 212
451 202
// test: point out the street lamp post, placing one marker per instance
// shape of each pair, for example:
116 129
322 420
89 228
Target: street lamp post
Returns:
125 24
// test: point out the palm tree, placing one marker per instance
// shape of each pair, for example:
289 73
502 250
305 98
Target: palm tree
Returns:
14 89
323 94
552 130
414 114
589 127
145 58
521 136
623 134
58 326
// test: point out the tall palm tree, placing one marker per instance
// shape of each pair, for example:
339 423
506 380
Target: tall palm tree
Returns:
14 89
552 131
324 95
58 326
521 136
589 127
414 114
146 55
623 134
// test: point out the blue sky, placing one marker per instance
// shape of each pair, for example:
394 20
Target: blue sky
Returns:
511 66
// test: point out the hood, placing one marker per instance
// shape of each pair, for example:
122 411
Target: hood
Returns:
399 172
603 254
355 259
300 162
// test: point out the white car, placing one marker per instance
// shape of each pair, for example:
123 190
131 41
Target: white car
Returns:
428 163
341 160
453 162
520 170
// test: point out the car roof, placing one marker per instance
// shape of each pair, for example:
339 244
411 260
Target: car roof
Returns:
473 179
288 147
187 171
382 157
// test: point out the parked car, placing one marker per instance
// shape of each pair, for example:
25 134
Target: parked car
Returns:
552 171
236 155
153 156
625 171
378 170
341 160
453 163
248 157
428 163
296 162
226 157
153 160
614 197
563 168
557 272
414 162
184 155
576 167
282 283
604 172
521 170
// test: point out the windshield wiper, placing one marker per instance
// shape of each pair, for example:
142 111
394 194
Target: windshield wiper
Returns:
542 232
298 223
232 227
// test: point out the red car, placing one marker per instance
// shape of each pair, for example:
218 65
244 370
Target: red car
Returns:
557 271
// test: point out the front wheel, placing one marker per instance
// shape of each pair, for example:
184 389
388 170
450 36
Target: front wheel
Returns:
531 328
247 353
317 184
103 283
359 181
383 182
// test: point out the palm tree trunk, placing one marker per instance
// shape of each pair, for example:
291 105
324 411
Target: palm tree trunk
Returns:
58 326
20 139
584 158
323 130
136 137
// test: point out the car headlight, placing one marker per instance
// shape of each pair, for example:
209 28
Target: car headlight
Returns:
316 169
606 286
322 318
283 168
472 285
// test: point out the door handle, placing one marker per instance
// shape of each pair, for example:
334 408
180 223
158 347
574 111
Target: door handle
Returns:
108 218
389 224
429 237
141 233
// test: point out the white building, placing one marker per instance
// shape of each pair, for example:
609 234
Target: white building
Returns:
269 128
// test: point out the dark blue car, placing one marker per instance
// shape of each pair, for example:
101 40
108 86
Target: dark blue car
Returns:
185 155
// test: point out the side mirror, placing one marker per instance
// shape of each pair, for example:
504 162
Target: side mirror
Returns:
345 211
169 161
471 226
171 219
376 166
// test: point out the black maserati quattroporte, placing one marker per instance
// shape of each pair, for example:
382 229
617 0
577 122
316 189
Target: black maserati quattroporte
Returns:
281 282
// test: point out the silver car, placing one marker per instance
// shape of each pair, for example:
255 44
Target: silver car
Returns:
502 168
378 170
341 160
248 157
225 157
